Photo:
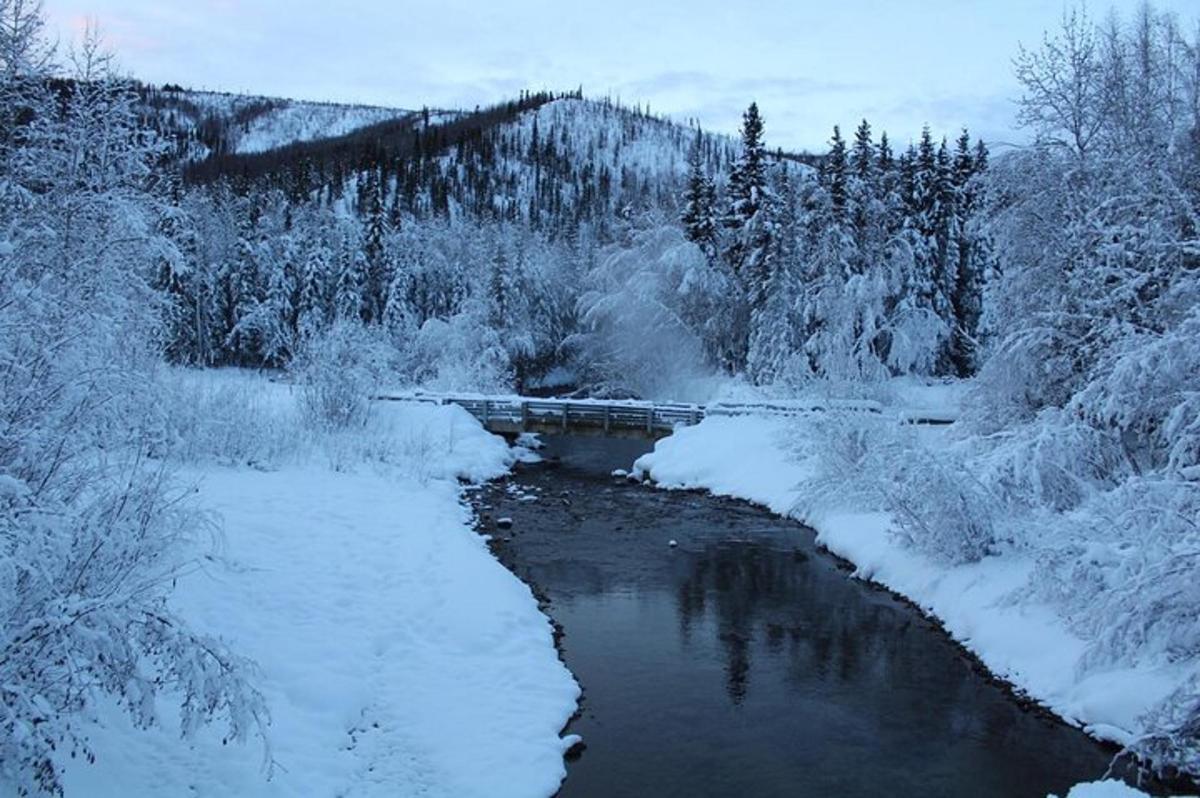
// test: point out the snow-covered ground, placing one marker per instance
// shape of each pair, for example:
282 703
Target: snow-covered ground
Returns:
980 604
1104 789
297 121
397 656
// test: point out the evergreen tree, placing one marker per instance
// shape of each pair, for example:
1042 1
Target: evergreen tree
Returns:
699 202
884 161
833 172
863 153
947 235
747 183
966 295
377 277
276 314
314 306
775 335
922 219
866 215
176 282
351 279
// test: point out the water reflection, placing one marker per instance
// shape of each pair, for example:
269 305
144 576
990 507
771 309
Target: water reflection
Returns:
745 662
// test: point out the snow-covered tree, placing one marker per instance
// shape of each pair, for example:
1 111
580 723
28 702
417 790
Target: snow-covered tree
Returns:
90 526
699 202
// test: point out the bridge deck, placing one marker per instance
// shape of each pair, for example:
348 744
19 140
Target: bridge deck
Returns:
512 415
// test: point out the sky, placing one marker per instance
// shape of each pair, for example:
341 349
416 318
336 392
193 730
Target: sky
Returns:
810 65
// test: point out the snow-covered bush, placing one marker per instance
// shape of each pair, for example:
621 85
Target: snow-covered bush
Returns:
1148 392
656 312
461 353
227 420
941 510
1123 568
339 370
1055 461
872 462
91 530
847 451
1085 419
1174 745
89 542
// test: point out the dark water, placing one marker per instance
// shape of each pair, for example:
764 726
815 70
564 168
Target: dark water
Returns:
746 663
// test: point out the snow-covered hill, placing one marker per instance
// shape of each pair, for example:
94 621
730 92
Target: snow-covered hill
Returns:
217 122
552 161
585 153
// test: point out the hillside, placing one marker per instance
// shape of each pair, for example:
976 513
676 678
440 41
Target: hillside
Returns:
543 159
208 123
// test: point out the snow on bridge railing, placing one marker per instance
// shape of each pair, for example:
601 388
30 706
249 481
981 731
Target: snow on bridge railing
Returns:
518 412
792 407
797 407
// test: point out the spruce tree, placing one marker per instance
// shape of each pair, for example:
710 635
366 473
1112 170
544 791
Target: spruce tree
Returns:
981 155
750 227
314 311
377 275
947 235
348 294
884 159
866 222
862 157
748 178
833 172
699 201
775 337
966 298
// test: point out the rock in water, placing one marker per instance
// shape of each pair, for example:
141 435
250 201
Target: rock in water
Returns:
673 543
504 523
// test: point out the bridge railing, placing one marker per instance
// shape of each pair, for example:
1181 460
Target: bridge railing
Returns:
516 413
546 413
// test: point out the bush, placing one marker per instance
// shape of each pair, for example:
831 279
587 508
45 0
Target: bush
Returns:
223 417
339 370
460 354
92 532
1055 461
871 462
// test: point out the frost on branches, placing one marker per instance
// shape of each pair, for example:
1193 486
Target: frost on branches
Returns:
1081 446
91 527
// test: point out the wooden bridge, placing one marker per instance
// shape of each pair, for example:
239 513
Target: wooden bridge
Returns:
513 415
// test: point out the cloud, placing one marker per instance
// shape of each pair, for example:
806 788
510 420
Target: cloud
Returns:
901 63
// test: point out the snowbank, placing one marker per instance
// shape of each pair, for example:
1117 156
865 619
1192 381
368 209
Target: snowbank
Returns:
1022 641
1104 789
398 657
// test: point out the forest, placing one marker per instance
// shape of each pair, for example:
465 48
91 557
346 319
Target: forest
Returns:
556 241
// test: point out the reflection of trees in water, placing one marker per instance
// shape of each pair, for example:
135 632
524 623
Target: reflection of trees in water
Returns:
831 633
808 613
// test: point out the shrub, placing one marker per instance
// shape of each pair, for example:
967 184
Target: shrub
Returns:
339 370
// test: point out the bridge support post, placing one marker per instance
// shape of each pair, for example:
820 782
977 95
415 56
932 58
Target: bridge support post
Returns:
524 416
607 414
566 411
650 421
485 413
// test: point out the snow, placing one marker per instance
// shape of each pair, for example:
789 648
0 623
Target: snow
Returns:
1104 789
1021 640
297 122
272 122
397 656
